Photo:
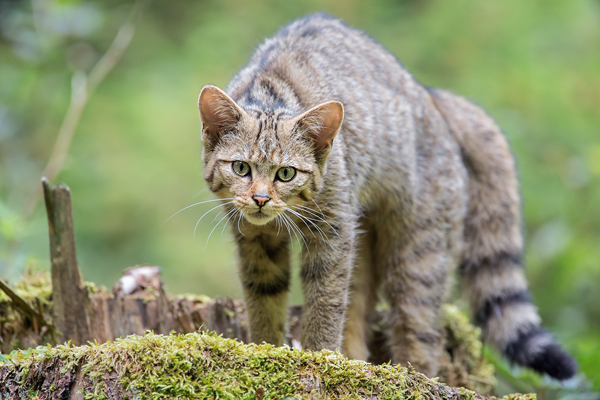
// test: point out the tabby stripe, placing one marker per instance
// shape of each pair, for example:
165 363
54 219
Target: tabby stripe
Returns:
217 188
519 349
433 278
265 56
494 305
274 95
501 259
303 196
270 288
424 337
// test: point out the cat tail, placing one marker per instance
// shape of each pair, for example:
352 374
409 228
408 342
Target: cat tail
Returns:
492 272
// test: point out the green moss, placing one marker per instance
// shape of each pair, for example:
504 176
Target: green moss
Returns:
93 288
207 366
466 365
16 328
529 396
33 286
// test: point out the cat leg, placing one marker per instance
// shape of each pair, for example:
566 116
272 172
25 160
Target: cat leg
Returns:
362 299
325 272
416 269
265 275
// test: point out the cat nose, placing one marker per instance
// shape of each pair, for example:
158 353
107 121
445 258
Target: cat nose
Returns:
261 199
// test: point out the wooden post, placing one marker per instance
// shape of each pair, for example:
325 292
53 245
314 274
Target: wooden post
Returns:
71 303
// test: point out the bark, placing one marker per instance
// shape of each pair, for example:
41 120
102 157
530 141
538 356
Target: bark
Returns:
71 303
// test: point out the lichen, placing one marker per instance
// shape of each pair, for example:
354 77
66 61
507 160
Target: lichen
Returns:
197 365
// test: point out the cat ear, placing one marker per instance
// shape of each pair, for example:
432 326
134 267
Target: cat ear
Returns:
321 124
218 113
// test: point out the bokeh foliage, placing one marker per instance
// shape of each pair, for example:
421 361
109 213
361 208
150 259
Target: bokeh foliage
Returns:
135 159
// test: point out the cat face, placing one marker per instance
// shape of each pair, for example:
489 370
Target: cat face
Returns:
265 161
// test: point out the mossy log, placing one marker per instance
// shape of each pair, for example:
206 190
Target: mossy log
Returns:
118 316
199 365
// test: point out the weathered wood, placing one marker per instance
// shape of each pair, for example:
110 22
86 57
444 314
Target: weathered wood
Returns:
71 303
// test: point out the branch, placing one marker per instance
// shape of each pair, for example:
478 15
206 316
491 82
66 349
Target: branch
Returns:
36 318
82 88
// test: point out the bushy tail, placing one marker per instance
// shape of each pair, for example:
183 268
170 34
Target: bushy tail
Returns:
492 270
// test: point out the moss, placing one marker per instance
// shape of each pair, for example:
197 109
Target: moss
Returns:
199 365
192 298
529 396
93 288
16 329
466 364
33 286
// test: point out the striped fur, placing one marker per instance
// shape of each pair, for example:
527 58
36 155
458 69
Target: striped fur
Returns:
414 183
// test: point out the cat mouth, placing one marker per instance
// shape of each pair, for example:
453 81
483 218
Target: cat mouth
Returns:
259 217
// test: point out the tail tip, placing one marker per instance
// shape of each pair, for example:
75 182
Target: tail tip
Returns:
554 361
536 348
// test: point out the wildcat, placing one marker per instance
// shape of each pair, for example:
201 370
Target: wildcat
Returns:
389 185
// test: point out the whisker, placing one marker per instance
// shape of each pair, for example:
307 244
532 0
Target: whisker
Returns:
195 204
287 226
302 218
238 223
231 215
216 216
321 211
199 193
196 227
308 210
213 229
297 231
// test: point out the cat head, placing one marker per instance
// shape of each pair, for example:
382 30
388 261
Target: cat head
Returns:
265 160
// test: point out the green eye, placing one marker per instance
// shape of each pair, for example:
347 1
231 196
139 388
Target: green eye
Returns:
241 168
286 173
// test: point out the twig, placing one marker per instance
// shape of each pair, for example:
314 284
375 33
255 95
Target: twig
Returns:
82 88
36 318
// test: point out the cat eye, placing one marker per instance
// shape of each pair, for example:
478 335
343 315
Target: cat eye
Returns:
286 174
241 168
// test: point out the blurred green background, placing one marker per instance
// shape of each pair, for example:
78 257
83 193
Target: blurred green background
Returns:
135 157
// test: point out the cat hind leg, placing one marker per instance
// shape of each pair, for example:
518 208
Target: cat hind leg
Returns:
415 287
362 300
